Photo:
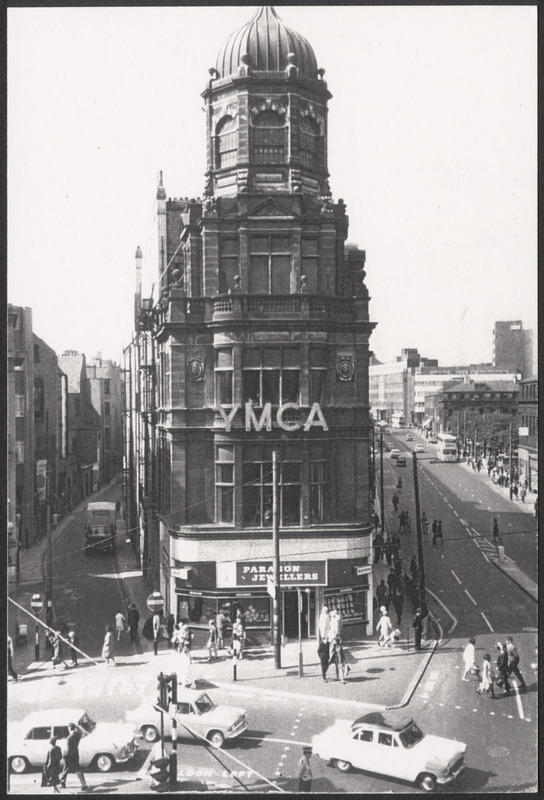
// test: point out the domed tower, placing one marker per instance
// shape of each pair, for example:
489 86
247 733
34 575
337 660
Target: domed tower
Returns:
266 112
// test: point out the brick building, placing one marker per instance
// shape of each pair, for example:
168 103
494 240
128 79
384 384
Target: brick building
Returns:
107 396
261 344
528 437
513 347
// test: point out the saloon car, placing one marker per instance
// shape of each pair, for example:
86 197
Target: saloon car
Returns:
420 448
401 461
196 711
395 452
389 744
102 744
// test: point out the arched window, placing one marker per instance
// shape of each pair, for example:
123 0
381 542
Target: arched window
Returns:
310 143
38 398
36 353
268 139
227 142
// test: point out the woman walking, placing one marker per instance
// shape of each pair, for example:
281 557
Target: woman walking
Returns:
107 648
385 629
53 765
469 659
486 685
211 644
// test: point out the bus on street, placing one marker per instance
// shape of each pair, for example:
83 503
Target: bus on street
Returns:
446 447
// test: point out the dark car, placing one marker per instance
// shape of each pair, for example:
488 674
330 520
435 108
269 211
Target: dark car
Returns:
401 461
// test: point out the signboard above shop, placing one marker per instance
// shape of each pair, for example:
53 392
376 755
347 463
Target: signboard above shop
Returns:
292 573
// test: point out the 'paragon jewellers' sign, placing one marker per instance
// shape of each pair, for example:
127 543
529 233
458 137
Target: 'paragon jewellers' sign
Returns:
314 419
292 573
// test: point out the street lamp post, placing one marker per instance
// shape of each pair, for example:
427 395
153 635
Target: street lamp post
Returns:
382 500
276 542
421 588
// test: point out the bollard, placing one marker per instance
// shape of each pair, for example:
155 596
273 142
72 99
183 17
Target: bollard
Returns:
300 664
234 666
500 552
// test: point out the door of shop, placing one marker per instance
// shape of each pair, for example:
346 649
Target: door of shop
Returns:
291 613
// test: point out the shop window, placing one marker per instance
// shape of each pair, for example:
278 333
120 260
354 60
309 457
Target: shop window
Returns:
223 377
309 264
224 482
271 375
228 265
270 265
268 135
310 143
227 142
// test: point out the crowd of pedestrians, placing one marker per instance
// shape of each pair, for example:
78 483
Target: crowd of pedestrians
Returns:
497 674
330 648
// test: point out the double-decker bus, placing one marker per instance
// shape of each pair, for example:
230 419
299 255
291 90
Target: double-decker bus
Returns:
446 447
397 420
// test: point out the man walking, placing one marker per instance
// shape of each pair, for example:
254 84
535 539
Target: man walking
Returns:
417 625
133 621
156 624
305 771
513 661
496 534
382 595
71 758
395 541
375 521
395 502
378 547
502 667
398 603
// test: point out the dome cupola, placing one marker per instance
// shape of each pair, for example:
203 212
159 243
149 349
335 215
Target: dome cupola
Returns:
266 44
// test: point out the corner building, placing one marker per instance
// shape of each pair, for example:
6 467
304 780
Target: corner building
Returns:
262 344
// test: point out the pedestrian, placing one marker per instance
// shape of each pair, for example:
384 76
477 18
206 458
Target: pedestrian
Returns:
107 647
239 628
53 766
424 523
392 582
305 771
479 464
397 566
170 625
382 594
211 644
439 531
417 625
385 628
522 493
513 661
408 523
502 668
469 659
395 541
398 604
119 624
323 651
133 621
74 642
186 665
496 534
71 756
58 654
10 661
324 624
335 624
338 658
156 625
402 521
220 620
399 484
375 521
378 547
236 647
515 491
486 685
395 502
414 569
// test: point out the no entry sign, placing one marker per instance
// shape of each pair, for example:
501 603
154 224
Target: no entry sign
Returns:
155 602
36 603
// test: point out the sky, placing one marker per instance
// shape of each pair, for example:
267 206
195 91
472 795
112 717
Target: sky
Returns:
432 146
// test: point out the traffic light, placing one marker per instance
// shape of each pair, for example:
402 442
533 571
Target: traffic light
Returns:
159 770
171 689
162 700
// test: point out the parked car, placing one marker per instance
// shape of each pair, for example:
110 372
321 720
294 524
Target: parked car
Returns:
420 448
395 452
389 744
102 744
216 723
401 461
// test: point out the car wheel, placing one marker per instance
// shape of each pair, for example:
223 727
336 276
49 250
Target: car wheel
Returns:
216 738
427 782
18 764
104 762
343 766
150 734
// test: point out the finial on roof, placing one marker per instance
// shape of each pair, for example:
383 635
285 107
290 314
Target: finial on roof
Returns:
161 194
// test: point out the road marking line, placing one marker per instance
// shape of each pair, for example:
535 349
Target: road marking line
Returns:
470 597
455 512
518 701
488 622
448 612
455 576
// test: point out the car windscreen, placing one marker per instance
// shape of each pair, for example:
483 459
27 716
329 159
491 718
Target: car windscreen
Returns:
411 735
204 704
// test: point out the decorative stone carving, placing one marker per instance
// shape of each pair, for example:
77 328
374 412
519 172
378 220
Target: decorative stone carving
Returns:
242 179
228 110
195 370
319 119
269 104
296 180
345 368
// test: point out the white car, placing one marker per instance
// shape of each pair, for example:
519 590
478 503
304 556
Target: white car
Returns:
216 723
392 745
102 744
395 452
420 448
